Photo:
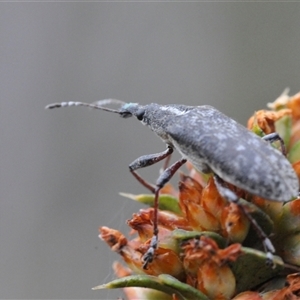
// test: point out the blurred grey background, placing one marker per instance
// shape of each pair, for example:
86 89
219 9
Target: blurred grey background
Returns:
61 170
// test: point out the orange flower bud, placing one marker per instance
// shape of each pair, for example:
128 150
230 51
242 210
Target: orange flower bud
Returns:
296 167
211 199
235 223
190 201
207 267
294 105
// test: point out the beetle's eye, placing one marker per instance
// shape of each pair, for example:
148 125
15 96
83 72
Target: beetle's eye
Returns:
140 114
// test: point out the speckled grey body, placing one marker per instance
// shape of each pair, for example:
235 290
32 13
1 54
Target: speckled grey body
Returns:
211 141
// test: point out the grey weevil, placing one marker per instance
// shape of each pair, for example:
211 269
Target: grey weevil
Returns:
212 142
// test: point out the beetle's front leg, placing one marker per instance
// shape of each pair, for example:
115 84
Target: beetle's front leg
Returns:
232 197
145 161
165 176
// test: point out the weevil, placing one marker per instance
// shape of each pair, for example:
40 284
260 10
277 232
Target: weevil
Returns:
213 143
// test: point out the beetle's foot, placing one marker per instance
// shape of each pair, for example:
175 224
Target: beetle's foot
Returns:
149 255
270 260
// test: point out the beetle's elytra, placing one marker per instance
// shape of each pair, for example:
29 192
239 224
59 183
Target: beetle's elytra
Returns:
212 142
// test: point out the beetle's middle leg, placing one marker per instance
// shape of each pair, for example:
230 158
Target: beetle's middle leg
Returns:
165 176
232 197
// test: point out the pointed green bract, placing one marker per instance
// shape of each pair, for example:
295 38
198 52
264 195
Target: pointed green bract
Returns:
182 235
291 249
186 290
294 153
250 269
263 220
163 283
166 202
289 222
284 128
257 130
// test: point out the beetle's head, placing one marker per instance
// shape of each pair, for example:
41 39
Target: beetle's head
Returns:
153 115
132 109
147 114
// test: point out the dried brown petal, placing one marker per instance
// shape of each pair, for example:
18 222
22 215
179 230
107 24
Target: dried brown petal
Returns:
295 136
119 243
296 167
290 292
293 280
115 239
170 220
142 222
266 119
294 105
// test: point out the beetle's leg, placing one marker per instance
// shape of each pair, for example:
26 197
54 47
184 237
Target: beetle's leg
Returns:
232 197
166 163
145 161
161 181
273 137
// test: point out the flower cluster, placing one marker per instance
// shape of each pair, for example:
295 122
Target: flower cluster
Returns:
207 248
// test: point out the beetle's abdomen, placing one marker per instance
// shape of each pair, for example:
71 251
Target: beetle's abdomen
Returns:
210 139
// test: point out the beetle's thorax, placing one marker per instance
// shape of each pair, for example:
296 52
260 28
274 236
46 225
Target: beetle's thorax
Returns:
157 118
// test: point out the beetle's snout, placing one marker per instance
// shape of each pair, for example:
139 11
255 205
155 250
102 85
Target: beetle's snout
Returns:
125 114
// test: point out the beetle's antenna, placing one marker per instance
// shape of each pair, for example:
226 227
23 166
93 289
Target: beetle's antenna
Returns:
96 105
108 102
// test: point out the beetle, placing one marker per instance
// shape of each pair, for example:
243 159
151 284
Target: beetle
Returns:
213 143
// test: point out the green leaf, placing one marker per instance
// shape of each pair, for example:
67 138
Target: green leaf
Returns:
263 220
289 221
165 201
284 128
162 283
143 281
294 153
250 269
291 249
182 235
257 130
184 289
